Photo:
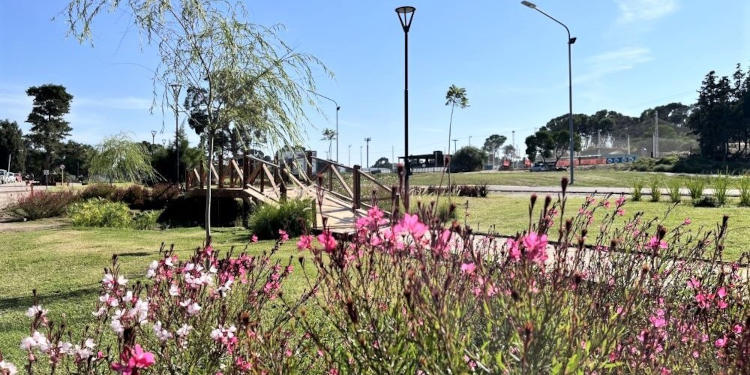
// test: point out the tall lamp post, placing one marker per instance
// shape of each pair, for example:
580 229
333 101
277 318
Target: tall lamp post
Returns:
176 87
153 138
571 40
405 15
338 108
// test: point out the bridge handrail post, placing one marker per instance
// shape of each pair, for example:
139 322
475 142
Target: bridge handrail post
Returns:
356 180
282 184
221 170
262 177
308 156
245 170
394 201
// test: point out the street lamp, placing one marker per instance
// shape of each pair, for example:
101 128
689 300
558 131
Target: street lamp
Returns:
153 137
338 108
176 87
405 15
571 40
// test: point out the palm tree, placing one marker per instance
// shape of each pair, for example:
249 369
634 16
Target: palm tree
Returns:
455 96
329 135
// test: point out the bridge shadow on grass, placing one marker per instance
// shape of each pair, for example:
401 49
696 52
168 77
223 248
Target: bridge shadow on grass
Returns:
137 254
46 298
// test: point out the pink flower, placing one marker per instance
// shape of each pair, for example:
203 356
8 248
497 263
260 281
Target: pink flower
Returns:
329 243
721 342
655 243
694 283
737 329
468 268
722 304
513 250
536 247
704 300
722 292
305 241
410 224
658 320
133 359
687 221
284 236
254 238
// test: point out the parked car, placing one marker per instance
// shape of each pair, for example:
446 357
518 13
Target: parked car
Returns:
3 176
10 177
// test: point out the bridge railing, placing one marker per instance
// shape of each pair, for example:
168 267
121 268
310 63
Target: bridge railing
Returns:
348 184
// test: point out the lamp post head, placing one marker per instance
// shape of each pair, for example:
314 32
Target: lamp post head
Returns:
572 40
338 107
153 133
405 15
529 4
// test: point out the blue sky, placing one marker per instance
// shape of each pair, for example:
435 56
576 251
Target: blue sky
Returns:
630 55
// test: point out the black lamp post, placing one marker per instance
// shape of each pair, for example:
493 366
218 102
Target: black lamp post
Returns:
338 108
405 15
571 40
176 87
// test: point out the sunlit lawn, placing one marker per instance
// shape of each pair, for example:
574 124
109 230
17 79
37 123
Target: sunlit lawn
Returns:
65 266
508 214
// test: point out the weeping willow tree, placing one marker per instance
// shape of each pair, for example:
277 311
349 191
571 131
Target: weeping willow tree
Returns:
122 160
251 80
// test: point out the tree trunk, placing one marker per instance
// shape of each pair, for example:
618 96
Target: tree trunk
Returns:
208 188
450 159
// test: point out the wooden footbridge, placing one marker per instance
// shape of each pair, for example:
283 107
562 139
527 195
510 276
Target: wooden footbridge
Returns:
339 194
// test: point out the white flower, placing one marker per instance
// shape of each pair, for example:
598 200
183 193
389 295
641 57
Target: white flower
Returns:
8 367
226 287
169 262
140 311
216 334
121 280
99 312
34 310
152 269
188 267
41 341
83 353
174 291
65 347
89 343
193 309
116 324
184 330
108 280
28 343
161 333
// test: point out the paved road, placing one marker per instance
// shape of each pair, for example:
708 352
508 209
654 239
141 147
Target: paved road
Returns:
591 190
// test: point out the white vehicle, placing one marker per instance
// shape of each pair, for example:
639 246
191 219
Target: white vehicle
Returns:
10 177
3 176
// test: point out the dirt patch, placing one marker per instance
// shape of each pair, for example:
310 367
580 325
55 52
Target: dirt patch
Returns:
28 226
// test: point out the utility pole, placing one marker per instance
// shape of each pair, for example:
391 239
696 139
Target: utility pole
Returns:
350 155
469 141
360 154
655 146
513 141
598 142
392 157
176 87
455 140
367 140
627 130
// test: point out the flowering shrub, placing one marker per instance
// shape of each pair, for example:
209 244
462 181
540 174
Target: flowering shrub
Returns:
40 205
410 296
203 315
418 298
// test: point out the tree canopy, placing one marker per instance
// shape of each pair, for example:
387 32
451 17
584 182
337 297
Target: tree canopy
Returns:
48 125
118 159
493 143
11 144
468 159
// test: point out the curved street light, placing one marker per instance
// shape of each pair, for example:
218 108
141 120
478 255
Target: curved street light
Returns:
338 108
405 16
571 40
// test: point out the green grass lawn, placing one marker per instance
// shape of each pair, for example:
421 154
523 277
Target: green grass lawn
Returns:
508 214
65 266
589 178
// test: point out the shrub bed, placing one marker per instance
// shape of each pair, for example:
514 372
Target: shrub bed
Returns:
42 204
293 216
99 212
